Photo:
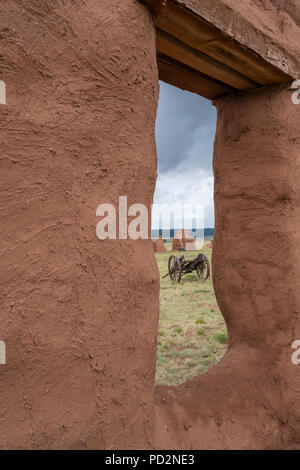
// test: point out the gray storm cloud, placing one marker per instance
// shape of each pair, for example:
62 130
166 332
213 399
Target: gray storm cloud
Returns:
185 130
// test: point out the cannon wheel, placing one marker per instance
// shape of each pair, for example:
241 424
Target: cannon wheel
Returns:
174 268
203 270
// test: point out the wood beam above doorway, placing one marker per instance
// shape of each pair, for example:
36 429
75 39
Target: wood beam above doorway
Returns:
195 55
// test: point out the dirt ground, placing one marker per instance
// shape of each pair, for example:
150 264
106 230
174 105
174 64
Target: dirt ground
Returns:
192 334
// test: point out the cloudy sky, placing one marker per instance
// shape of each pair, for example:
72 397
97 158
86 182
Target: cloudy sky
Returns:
185 130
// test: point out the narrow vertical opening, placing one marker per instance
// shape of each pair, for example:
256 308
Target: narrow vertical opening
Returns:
192 335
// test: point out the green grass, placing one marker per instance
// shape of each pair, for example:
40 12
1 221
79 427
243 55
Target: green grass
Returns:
222 338
200 332
178 330
185 350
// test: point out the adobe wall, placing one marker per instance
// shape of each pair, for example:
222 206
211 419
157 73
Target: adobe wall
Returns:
75 134
159 246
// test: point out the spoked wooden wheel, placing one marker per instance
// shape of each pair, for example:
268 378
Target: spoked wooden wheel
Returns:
203 270
174 268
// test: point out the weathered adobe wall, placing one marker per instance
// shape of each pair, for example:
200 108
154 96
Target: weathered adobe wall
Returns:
251 399
159 246
271 28
79 316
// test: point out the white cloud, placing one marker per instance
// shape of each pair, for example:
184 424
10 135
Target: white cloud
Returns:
187 186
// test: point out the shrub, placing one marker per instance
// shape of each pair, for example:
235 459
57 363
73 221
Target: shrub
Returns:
178 330
222 338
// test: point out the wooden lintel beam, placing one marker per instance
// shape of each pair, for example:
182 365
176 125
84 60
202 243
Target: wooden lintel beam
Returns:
184 77
197 33
176 49
195 49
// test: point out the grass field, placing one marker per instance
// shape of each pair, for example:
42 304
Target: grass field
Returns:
192 333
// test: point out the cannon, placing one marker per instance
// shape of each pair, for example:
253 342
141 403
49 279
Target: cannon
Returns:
180 266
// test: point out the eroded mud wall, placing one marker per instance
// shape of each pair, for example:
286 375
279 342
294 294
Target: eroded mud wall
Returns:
78 315
251 399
